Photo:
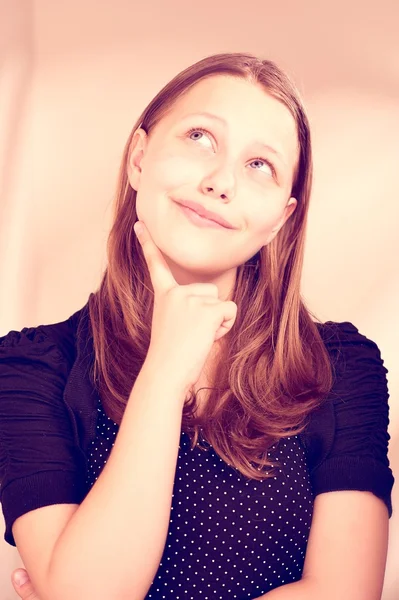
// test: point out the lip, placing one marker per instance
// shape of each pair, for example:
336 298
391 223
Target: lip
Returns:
207 214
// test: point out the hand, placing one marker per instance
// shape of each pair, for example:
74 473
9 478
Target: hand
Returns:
187 319
24 591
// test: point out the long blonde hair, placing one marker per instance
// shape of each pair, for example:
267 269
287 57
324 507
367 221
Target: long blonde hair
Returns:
274 369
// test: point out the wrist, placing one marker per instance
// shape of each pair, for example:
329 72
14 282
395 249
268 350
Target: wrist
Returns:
157 372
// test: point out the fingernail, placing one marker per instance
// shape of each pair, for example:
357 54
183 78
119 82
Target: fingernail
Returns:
21 577
138 228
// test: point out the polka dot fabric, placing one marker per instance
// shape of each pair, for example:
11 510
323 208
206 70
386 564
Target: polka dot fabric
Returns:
228 538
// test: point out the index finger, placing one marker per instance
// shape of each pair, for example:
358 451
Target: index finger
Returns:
161 276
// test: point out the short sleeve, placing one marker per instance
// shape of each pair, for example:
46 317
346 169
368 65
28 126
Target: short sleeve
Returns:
358 455
40 463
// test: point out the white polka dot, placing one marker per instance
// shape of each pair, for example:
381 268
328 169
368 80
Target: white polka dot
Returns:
224 526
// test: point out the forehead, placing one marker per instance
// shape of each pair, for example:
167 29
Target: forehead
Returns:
246 108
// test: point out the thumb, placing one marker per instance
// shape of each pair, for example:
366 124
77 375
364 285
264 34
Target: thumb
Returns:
23 585
19 577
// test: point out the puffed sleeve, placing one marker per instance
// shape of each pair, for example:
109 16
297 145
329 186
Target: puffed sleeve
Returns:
40 463
357 457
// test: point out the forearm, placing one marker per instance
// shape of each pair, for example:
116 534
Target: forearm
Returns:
112 546
298 590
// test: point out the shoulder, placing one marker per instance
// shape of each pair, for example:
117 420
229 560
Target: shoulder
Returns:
35 374
347 436
53 343
359 372
347 346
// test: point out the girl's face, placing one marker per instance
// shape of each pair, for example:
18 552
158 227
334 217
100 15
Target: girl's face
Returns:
241 168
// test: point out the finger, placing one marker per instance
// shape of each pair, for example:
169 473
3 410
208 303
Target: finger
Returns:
227 313
229 317
202 289
23 585
161 276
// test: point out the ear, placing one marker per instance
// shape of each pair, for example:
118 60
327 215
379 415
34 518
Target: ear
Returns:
288 210
136 154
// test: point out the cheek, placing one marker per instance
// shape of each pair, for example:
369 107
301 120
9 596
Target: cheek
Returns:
264 219
163 174
169 171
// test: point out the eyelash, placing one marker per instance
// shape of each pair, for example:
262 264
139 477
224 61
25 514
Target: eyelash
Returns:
256 158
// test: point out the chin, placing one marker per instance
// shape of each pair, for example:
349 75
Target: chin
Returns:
201 269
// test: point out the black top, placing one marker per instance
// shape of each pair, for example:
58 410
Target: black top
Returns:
228 537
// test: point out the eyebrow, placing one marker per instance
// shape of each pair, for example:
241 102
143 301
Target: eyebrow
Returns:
224 122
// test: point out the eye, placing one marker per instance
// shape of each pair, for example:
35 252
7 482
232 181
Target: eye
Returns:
267 162
196 129
257 159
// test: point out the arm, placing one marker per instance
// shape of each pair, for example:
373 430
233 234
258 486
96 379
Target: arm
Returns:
347 549
112 545
299 590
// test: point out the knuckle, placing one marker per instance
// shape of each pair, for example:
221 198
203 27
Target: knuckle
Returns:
213 288
194 300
